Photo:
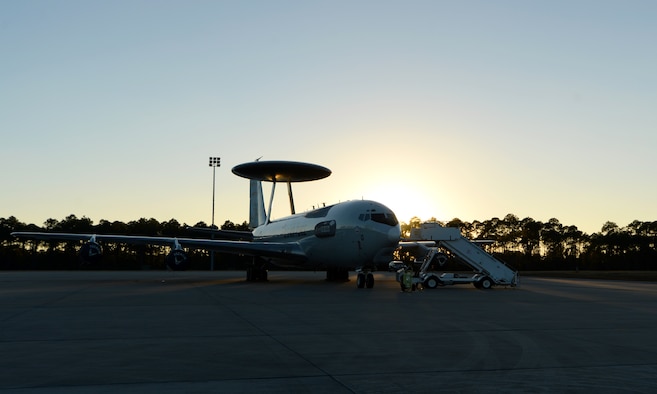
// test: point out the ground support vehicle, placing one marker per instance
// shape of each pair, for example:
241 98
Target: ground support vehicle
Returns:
433 238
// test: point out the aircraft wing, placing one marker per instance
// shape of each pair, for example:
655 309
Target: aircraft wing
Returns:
290 251
235 235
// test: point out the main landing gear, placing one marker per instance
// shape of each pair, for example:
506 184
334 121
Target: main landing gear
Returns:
364 279
257 272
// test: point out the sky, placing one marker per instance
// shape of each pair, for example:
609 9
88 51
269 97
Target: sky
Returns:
438 109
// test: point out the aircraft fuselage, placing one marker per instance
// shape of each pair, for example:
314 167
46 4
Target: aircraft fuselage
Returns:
350 235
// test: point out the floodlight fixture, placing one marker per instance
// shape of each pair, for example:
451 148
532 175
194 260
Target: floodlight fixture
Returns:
215 161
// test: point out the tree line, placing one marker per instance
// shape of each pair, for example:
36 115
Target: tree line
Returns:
528 244
525 244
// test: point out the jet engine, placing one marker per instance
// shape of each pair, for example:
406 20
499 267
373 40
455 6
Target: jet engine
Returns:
91 252
177 260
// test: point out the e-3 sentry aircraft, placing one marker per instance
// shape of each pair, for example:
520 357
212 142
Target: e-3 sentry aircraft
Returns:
352 235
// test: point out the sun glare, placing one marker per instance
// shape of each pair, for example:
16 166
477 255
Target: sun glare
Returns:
406 203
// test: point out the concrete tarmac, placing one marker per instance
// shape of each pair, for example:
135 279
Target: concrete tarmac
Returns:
210 332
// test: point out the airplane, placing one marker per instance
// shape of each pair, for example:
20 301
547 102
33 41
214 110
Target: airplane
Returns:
352 235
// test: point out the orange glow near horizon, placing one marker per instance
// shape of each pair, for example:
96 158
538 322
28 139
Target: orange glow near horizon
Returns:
406 202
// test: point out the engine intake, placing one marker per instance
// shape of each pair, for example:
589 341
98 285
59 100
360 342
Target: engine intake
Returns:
177 260
91 252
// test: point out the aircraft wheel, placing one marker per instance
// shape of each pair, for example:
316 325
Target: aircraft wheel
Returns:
431 282
360 280
486 283
369 281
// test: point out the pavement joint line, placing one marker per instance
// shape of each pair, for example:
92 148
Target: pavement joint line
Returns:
277 340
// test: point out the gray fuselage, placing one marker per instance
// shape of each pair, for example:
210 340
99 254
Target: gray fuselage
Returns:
351 234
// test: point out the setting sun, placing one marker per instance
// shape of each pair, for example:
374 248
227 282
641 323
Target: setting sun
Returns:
407 201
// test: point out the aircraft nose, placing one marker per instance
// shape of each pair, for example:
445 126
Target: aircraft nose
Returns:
393 234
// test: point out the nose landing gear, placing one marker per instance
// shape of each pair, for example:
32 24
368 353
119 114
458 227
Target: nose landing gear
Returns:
364 279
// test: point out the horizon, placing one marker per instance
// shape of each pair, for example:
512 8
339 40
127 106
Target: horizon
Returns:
96 222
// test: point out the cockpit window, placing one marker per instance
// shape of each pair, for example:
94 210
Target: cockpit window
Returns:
386 218
319 213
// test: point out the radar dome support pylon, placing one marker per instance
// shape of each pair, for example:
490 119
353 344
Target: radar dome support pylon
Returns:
279 171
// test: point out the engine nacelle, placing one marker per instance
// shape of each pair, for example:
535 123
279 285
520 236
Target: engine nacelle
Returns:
91 252
177 260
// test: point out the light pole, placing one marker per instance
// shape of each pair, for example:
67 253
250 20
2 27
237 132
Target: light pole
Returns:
214 163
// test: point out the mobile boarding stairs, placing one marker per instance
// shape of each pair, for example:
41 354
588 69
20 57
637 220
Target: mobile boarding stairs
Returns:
431 237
